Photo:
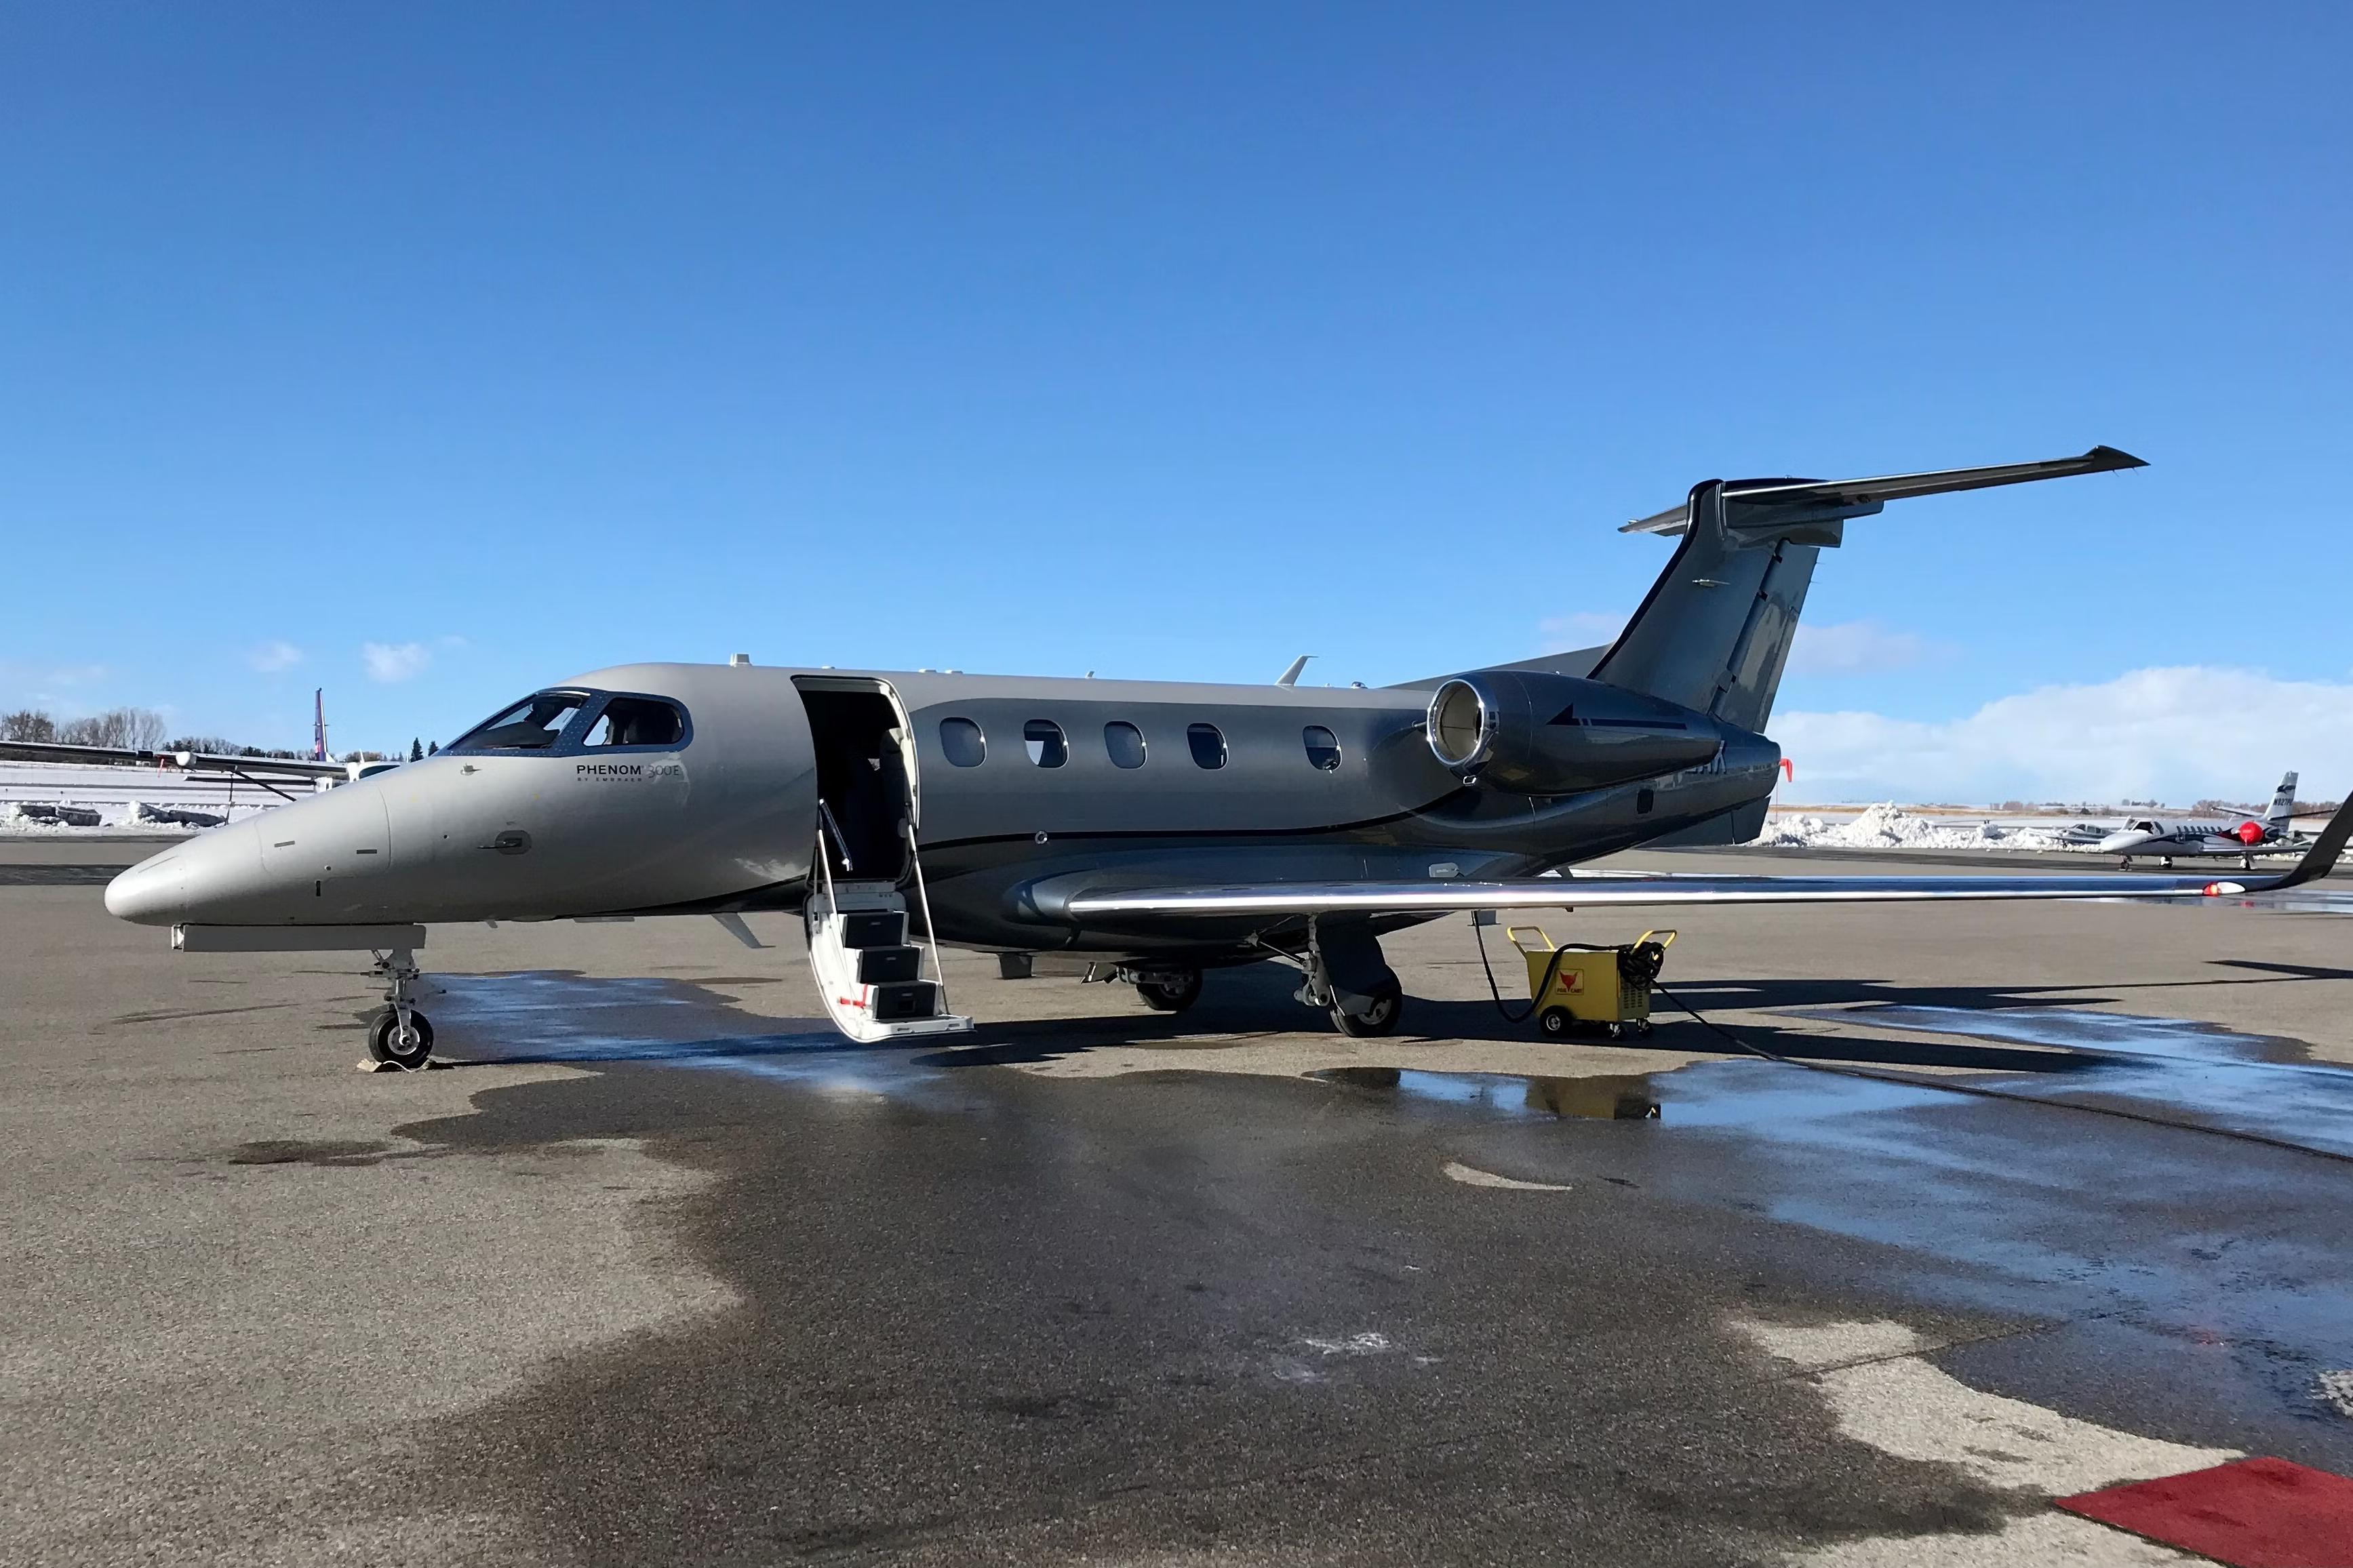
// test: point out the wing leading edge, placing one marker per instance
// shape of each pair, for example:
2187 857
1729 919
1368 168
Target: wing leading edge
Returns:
1277 899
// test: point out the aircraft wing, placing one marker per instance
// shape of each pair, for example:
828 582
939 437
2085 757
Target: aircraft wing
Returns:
189 761
1278 898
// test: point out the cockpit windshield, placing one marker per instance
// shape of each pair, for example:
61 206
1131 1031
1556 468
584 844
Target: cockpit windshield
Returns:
571 721
534 724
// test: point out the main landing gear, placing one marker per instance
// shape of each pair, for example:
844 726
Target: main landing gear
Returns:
399 1037
1347 977
1167 990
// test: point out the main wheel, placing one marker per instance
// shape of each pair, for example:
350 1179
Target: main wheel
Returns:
1555 1022
1170 990
386 1046
1380 1018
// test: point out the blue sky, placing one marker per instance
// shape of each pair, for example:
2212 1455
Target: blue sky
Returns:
507 341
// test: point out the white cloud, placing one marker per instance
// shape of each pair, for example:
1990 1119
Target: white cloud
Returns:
273 656
1586 628
395 661
1858 647
2176 734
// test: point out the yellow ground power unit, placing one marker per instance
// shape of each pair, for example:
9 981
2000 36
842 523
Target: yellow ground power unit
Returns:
1581 984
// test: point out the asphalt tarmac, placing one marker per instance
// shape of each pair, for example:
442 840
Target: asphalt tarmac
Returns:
659 1271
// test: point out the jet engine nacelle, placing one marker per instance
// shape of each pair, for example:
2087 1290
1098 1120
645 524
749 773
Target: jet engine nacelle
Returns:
1556 734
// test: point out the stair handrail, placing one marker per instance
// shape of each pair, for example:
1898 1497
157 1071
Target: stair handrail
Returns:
924 897
824 861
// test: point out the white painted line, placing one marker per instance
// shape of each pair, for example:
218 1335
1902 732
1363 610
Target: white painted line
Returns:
1901 1404
1470 1177
1876 1382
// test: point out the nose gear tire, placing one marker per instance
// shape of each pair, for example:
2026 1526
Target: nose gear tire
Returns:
386 1045
1380 1018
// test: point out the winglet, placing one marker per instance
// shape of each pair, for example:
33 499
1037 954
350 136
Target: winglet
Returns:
2321 859
1291 676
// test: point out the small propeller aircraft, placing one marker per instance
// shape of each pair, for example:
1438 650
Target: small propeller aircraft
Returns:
2147 836
1167 829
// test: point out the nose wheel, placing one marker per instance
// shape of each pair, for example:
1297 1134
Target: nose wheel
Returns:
404 1044
400 1037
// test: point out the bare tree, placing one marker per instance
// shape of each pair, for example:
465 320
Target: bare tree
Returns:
28 724
141 729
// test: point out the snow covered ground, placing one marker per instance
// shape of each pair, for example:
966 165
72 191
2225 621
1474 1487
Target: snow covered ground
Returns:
1890 826
116 795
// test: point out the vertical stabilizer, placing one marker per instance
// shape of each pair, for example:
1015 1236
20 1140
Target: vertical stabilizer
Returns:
2283 805
1713 632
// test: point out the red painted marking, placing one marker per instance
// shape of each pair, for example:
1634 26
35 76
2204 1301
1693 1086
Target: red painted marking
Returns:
2256 1513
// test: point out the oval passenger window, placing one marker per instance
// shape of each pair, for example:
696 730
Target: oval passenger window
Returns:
1124 741
1323 747
1043 738
962 743
1208 746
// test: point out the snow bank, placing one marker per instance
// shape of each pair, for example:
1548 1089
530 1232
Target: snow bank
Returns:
1890 826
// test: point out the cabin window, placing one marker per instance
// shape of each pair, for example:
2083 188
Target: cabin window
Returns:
1043 739
534 724
1124 741
1209 745
962 743
637 722
1644 799
1323 747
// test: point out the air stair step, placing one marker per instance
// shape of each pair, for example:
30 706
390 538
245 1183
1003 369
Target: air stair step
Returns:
871 976
886 965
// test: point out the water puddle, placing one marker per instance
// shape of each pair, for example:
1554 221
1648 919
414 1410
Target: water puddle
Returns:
2183 1070
549 1017
1614 1097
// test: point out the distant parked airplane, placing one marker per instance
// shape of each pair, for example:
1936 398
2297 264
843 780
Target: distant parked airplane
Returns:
2246 838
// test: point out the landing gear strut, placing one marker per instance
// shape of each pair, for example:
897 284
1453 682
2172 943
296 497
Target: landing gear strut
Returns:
1348 976
400 1036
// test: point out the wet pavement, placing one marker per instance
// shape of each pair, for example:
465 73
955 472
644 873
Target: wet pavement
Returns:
658 1268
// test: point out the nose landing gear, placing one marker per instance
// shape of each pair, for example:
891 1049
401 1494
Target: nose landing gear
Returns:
399 1037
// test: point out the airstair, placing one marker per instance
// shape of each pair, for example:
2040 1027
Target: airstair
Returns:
870 975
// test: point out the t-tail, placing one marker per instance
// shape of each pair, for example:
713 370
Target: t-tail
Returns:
2283 808
1715 631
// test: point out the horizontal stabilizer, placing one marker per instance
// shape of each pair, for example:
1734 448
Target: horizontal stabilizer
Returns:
1785 500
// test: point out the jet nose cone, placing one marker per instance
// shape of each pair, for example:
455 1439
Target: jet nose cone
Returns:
154 892
2118 843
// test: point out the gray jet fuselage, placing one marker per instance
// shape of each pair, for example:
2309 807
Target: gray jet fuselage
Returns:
729 819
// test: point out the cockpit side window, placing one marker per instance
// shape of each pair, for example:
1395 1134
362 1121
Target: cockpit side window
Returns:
536 723
637 722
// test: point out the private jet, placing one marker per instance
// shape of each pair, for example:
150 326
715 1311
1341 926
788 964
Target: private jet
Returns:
2270 834
1163 829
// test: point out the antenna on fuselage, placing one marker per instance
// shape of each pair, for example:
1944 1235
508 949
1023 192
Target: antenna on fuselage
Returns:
1291 676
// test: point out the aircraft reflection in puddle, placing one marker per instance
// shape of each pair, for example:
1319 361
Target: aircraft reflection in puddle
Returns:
544 1017
1607 1097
